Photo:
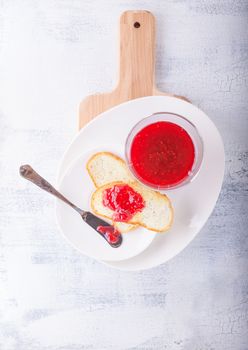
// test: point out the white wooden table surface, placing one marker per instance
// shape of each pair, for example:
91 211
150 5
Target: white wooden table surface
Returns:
54 52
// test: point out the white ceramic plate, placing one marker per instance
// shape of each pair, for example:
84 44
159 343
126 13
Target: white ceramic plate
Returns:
193 203
77 186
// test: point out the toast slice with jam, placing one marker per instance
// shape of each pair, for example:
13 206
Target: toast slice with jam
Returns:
155 213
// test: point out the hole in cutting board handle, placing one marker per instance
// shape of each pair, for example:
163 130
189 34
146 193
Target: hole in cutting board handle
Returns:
136 24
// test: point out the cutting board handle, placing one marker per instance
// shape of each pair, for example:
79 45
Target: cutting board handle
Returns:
137 54
136 71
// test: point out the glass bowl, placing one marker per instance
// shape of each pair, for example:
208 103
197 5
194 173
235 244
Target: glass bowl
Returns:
180 121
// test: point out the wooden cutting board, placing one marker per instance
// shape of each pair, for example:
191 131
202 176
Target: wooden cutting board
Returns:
136 68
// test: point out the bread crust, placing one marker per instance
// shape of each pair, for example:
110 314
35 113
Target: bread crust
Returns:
131 226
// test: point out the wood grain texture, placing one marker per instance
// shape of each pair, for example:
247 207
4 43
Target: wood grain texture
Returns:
136 67
52 54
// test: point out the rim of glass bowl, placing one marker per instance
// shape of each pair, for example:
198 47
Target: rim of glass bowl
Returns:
188 126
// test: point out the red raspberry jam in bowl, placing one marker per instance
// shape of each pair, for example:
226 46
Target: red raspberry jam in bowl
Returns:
164 151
